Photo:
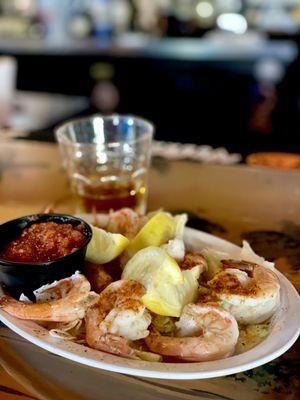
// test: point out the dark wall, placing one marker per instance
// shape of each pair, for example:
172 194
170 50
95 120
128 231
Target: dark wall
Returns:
204 103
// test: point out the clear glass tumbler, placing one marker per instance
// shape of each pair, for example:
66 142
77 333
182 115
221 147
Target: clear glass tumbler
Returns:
107 161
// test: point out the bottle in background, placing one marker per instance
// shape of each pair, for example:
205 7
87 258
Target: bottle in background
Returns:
101 19
53 14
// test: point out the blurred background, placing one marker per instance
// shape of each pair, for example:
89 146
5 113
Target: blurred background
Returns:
217 72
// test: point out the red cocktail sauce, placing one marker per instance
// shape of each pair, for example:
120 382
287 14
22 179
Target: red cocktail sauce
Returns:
45 241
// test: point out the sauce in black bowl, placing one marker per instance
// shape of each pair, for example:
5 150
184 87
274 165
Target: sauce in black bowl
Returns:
63 255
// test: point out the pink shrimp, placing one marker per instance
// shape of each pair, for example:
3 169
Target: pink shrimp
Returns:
204 332
65 309
118 317
126 222
249 291
192 259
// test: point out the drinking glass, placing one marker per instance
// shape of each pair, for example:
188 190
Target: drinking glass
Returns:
107 161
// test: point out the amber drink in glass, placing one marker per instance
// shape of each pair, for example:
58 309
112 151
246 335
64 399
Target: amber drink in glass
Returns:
107 161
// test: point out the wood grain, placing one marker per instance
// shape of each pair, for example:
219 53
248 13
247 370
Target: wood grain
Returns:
12 390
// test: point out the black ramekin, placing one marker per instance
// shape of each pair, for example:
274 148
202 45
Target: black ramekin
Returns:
24 277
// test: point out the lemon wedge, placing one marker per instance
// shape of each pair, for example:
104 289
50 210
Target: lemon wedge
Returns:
180 220
168 289
105 246
168 299
161 228
151 267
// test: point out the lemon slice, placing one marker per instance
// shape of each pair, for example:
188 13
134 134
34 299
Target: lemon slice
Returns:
152 266
168 289
105 246
168 300
158 230
180 220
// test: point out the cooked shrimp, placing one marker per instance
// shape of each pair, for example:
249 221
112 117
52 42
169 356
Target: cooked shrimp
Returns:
118 317
61 288
126 222
249 291
72 306
98 276
205 332
192 259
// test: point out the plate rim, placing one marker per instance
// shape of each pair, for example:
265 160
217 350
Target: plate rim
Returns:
58 348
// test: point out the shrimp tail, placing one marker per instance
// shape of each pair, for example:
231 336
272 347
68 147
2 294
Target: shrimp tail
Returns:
66 309
5 301
22 310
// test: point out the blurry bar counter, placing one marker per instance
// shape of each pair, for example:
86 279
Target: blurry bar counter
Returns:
205 91
220 47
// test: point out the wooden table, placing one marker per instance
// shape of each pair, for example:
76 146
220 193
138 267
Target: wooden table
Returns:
261 205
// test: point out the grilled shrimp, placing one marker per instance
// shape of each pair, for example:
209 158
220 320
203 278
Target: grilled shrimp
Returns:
192 259
204 332
61 288
72 306
118 317
126 222
249 291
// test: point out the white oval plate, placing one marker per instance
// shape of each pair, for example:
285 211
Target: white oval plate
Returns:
285 329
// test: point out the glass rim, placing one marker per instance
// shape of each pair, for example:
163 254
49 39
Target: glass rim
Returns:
62 140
